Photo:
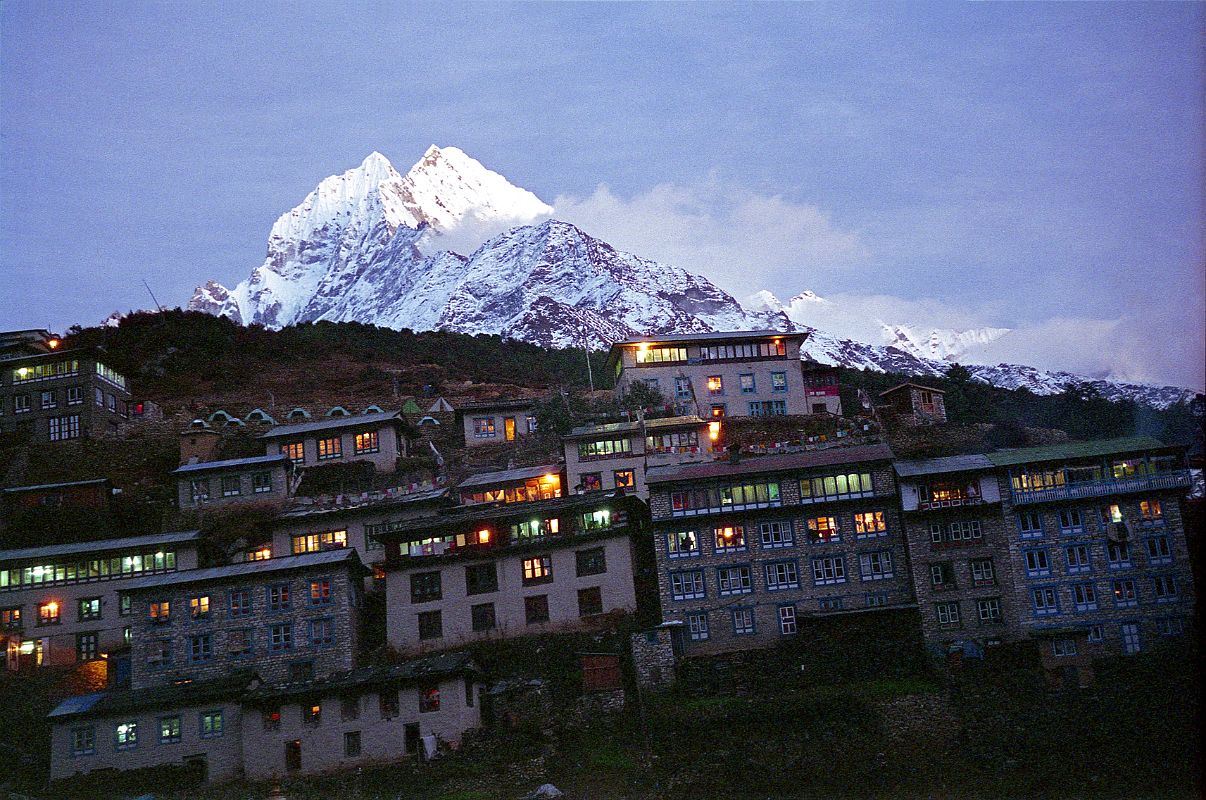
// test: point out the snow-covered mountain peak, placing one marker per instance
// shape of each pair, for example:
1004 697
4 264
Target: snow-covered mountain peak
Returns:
807 296
446 188
939 344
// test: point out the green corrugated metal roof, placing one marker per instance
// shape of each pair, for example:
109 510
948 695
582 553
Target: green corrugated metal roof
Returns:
1071 450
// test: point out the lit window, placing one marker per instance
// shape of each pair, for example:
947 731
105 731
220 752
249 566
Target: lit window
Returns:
125 736
730 538
169 730
49 613
869 523
211 725
320 592
715 384
198 607
429 699
367 442
537 570
329 448
296 451
823 530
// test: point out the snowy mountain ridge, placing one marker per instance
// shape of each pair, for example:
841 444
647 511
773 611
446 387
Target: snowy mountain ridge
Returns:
371 245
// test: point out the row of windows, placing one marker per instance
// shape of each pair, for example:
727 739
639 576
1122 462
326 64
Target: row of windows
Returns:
1084 596
1032 479
240 642
230 485
126 734
779 575
1072 520
426 587
47 371
988 612
981 570
484 427
744 620
239 602
331 447
753 494
72 396
482 616
776 534
1078 558
746 383
102 569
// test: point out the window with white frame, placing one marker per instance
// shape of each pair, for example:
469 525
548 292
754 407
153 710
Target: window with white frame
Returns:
697 626
1062 648
782 575
1096 634
735 580
787 620
829 570
948 613
1045 600
982 571
231 486
875 566
680 544
775 534
1076 559
687 585
1084 596
988 609
743 621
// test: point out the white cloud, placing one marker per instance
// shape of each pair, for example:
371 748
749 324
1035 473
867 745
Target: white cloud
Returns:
731 235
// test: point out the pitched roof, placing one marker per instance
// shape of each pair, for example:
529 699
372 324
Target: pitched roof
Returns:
752 465
509 475
414 498
332 423
633 426
421 669
1071 450
934 466
122 701
710 336
487 405
64 485
900 386
99 546
229 463
282 564
461 515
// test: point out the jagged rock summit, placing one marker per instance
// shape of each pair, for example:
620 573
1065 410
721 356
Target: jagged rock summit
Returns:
374 246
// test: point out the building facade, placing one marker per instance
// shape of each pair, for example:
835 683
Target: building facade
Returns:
376 437
744 550
914 404
510 570
496 421
737 374
234 480
290 618
615 456
1097 542
959 550
61 395
62 604
519 485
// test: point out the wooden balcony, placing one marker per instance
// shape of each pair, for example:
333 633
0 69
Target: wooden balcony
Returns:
1179 479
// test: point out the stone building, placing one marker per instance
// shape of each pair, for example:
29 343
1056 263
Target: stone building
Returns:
914 404
745 549
289 618
496 421
376 437
959 549
616 455
737 373
312 528
1097 543
56 395
370 715
234 480
62 605
517 485
500 571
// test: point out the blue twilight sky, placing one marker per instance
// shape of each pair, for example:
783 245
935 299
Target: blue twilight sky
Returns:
1037 167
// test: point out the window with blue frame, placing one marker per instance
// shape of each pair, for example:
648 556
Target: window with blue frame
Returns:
735 580
1071 520
1150 512
729 538
1170 627
775 534
1118 555
682 388
830 570
782 575
830 604
743 621
280 638
1045 600
687 585
320 592
681 544
876 599
1037 564
1165 588
1084 595
278 597
778 381
321 632
1158 550
746 382
787 620
239 602
1125 594
768 408
876 566
1096 634
1076 559
201 648
697 626
1030 523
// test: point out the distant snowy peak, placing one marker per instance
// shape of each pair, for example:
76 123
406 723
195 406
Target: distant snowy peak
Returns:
941 344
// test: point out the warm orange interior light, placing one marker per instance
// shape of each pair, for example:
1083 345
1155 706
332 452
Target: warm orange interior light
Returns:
52 607
728 533
713 430
550 478
483 536
53 343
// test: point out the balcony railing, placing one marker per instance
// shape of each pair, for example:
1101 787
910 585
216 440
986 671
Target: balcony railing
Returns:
1180 479
926 505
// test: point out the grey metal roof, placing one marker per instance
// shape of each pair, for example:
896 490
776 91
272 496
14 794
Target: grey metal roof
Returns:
123 701
753 465
711 336
282 564
333 423
421 669
205 466
509 475
100 546
371 505
64 485
628 427
486 405
1070 450
933 466
900 386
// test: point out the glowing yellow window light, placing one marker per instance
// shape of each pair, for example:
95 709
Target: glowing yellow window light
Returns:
714 430
483 536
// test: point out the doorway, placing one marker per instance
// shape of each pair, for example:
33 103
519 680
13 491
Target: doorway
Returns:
509 428
293 755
